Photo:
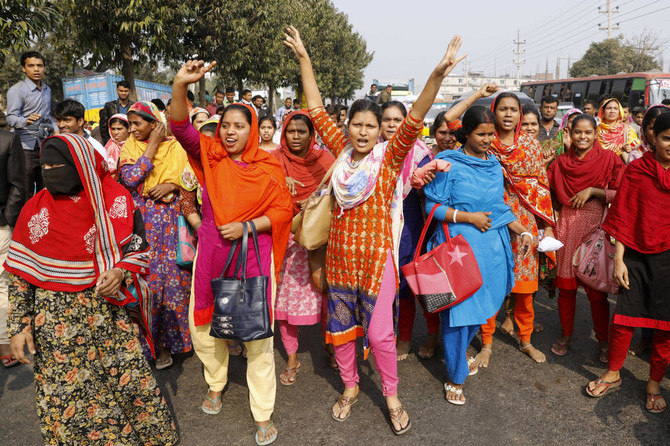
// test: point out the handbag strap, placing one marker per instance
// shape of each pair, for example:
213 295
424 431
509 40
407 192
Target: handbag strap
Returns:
242 256
258 251
445 228
231 252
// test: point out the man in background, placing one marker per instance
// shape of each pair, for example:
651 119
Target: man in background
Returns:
120 105
373 95
386 95
548 124
288 106
69 115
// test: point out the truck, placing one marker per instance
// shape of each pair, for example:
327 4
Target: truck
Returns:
94 90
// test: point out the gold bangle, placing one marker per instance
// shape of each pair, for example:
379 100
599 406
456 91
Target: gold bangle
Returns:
466 102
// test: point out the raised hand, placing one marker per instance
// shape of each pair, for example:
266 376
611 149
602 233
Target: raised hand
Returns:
293 41
192 71
487 90
450 60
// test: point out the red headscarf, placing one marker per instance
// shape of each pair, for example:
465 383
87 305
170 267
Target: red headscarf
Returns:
524 171
247 190
599 168
644 196
309 170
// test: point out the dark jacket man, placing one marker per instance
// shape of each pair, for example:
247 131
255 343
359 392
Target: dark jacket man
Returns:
110 109
12 171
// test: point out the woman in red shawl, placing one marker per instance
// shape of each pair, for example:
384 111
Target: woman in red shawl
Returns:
527 193
642 265
240 183
298 302
584 180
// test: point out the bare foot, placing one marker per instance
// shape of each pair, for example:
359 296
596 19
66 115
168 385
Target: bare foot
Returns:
537 327
507 327
482 358
602 352
454 393
267 434
427 350
403 350
343 412
643 345
601 385
532 352
655 401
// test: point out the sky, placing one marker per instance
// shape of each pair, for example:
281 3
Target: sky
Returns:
409 37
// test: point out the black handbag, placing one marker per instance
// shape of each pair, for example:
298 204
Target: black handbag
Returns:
241 309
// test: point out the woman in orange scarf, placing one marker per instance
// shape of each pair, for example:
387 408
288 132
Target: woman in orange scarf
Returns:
240 183
527 193
299 302
613 133
150 166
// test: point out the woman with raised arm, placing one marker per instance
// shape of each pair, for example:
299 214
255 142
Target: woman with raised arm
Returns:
240 183
363 244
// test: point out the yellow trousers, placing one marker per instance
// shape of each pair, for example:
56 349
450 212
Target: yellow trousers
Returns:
213 353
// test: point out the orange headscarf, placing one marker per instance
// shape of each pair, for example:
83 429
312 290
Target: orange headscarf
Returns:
244 192
613 136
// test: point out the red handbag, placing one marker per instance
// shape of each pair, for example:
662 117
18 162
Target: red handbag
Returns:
444 276
593 262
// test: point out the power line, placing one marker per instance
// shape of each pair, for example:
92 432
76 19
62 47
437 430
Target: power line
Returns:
638 9
643 15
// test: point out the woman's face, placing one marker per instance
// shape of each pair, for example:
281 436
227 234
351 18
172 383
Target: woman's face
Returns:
612 112
583 135
570 119
391 120
649 131
480 139
199 120
662 146
119 131
343 118
530 125
364 131
297 137
267 131
234 131
444 138
507 115
139 127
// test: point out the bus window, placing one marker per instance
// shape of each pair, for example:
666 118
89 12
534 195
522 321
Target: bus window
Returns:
556 90
605 89
618 87
578 93
594 90
539 93
566 94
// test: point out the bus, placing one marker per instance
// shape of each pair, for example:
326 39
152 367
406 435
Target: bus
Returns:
634 89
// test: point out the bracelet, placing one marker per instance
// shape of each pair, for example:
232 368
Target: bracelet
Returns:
466 102
454 216
528 234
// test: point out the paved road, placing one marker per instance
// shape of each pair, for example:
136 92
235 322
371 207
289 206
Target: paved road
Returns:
514 401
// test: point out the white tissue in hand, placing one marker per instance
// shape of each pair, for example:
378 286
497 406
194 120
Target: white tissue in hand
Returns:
549 244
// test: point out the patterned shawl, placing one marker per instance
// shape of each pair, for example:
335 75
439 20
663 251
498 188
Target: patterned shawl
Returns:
613 136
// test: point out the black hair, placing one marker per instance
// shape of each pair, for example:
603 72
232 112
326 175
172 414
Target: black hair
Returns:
28 54
245 91
296 100
190 96
230 90
592 102
240 107
373 85
584 117
503 95
473 118
209 127
652 114
256 97
159 104
303 118
123 83
665 101
288 99
196 114
605 98
638 110
267 118
119 121
549 100
332 109
439 120
397 104
530 109
366 105
69 107
220 108
662 123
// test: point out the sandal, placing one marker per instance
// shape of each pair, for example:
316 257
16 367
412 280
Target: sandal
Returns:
164 365
449 388
600 383
560 348
214 401
651 399
396 415
286 379
9 361
263 430
471 360
344 401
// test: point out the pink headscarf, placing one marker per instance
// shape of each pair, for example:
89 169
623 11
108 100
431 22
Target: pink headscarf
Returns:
113 147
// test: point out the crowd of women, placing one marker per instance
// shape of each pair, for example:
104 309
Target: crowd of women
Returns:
123 292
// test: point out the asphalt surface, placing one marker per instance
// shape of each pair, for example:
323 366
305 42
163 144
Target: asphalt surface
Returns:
513 401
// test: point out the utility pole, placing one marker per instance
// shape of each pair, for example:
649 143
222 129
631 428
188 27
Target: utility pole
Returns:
609 13
518 53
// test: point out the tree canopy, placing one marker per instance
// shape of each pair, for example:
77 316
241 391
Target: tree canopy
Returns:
612 56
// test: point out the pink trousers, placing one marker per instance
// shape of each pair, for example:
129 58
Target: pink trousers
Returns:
289 333
380 336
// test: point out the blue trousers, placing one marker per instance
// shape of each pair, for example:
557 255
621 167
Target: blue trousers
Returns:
456 341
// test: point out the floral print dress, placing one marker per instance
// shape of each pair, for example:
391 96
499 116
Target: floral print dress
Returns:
93 385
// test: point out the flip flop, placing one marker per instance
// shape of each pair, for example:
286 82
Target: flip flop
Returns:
287 372
651 399
449 388
608 386
343 402
214 402
472 372
561 344
263 430
11 361
396 415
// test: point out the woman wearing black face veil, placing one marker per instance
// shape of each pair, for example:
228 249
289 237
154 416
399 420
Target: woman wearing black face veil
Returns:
76 259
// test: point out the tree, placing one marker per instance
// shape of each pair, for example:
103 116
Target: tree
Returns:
125 34
23 21
611 56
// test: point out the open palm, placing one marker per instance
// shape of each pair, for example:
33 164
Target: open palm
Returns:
192 71
450 60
